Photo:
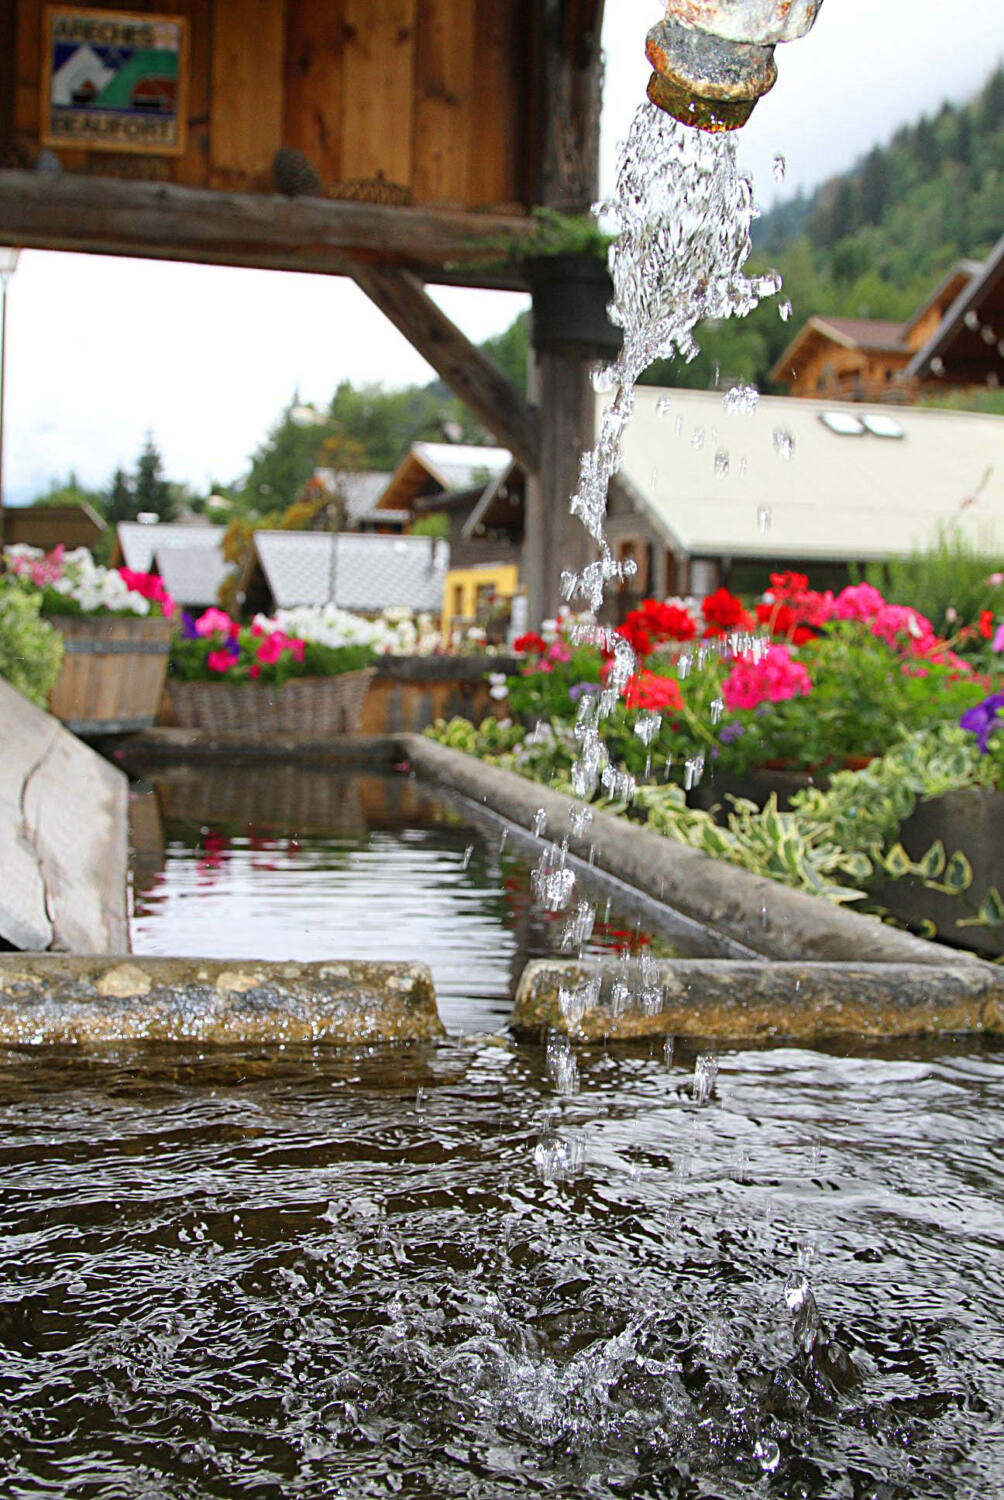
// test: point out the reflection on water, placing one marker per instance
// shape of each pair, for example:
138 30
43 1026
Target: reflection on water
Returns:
304 862
334 1275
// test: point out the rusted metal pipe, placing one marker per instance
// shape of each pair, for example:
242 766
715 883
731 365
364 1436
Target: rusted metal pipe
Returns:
713 59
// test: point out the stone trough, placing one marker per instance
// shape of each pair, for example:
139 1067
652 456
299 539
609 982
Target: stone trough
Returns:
818 970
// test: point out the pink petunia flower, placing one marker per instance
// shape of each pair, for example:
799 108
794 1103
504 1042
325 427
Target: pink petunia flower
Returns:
215 622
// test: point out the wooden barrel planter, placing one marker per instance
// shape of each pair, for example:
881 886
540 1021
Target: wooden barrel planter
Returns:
113 672
307 709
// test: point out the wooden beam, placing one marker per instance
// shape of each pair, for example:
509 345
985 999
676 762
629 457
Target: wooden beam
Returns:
468 372
166 222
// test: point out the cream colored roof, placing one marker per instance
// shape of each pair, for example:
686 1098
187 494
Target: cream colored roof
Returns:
862 497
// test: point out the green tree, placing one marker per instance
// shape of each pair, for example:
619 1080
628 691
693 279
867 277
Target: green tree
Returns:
151 491
70 491
120 504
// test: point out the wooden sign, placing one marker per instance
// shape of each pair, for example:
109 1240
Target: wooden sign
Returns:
114 80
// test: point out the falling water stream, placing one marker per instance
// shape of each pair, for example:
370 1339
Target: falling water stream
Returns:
681 213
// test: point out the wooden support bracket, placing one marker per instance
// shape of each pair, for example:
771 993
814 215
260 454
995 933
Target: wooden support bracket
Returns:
468 372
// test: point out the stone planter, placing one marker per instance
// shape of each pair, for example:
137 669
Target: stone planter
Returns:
112 676
972 821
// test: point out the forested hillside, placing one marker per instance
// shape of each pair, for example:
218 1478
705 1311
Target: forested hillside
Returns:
874 242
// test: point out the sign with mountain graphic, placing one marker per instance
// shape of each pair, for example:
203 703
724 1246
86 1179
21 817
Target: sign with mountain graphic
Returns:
114 80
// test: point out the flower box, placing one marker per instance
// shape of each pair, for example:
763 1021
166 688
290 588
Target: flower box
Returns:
969 820
113 672
304 708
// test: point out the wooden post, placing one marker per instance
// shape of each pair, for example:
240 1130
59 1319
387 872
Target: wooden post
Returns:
560 383
554 538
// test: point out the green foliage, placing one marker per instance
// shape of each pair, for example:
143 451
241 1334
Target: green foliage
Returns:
437 524
833 843
950 584
70 491
510 350
31 650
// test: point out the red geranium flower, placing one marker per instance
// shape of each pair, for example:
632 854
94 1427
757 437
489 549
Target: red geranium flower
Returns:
724 612
650 691
530 642
986 623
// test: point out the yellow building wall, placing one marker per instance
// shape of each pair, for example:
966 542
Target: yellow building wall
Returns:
460 590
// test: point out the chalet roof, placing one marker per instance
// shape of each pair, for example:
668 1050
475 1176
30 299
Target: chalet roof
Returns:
838 497
948 288
959 341
356 570
137 541
361 488
191 575
460 466
47 525
488 504
451 466
850 333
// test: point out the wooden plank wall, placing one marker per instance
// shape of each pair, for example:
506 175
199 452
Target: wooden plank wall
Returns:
423 101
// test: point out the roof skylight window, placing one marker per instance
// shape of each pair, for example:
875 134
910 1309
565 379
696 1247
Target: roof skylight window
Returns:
882 426
842 423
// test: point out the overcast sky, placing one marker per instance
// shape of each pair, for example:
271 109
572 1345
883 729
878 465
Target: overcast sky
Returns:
100 350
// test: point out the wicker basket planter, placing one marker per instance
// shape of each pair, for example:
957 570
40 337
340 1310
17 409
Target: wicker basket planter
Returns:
112 676
306 708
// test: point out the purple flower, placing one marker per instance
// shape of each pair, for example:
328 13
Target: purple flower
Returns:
982 720
579 688
188 630
729 733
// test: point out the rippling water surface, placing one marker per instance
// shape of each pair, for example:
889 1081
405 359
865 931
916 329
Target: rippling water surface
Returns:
299 862
338 1274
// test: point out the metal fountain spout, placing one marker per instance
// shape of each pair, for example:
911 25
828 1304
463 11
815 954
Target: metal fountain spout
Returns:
714 59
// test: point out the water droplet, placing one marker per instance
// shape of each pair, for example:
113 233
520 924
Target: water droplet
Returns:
579 818
784 443
722 463
419 1100
561 1065
467 856
678 427
779 166
784 310
767 1454
697 440
763 519
987 334
693 770
539 822
705 1073
662 406
715 709
667 1052
647 726
937 365
972 320
503 839
741 401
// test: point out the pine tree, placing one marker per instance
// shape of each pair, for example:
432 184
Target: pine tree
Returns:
151 490
121 502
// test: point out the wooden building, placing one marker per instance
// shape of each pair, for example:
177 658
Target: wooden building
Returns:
393 141
867 359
